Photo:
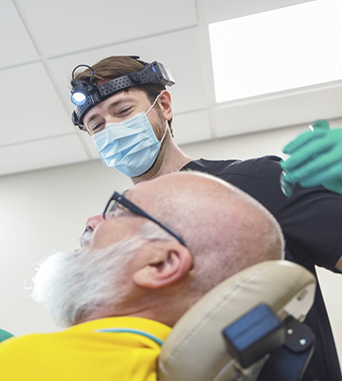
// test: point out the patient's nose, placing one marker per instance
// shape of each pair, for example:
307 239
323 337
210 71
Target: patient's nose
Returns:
93 221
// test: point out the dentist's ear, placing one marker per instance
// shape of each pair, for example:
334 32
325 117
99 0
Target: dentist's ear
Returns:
164 102
171 263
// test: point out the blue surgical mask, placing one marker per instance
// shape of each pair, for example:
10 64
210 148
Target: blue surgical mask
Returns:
130 146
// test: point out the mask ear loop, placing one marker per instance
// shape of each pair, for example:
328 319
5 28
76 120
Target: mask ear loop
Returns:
166 126
155 101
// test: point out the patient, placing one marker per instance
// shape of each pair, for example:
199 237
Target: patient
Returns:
121 293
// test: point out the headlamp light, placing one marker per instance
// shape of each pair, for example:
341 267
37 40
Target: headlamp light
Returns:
79 94
86 95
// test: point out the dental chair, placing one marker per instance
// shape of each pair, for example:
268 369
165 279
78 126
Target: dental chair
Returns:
249 327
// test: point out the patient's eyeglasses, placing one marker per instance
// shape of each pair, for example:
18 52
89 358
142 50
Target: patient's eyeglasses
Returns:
117 199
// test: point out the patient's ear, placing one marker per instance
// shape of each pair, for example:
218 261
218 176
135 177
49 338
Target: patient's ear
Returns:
171 262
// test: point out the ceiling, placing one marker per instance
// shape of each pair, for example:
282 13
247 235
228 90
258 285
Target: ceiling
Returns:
43 40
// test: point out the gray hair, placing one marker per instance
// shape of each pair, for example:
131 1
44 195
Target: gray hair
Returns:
73 285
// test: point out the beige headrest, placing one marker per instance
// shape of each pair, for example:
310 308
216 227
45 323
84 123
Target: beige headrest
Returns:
195 350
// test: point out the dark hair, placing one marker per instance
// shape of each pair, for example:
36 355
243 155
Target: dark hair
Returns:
117 66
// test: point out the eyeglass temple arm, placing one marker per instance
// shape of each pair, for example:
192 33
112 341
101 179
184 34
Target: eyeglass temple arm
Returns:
136 210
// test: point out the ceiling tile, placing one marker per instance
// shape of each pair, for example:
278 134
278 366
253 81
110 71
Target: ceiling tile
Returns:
35 97
191 127
41 154
179 51
65 26
15 44
33 109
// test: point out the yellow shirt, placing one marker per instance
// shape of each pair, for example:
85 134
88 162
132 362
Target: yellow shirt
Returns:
86 351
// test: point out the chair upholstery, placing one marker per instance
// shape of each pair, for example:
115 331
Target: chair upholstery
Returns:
196 351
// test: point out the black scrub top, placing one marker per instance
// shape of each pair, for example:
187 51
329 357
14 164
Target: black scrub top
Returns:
311 221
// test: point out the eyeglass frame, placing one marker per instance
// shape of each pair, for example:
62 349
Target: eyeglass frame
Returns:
122 200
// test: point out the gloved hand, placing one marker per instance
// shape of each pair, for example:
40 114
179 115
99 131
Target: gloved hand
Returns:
316 158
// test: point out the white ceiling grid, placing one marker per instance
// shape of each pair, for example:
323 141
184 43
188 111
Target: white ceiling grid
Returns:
42 41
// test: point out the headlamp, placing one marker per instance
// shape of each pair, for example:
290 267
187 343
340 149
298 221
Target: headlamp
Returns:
86 95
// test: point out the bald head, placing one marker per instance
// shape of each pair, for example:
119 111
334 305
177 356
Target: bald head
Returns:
145 271
225 229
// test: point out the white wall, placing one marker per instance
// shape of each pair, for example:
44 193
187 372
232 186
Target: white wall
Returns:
47 209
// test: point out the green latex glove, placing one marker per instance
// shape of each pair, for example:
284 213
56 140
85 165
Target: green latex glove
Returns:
4 335
316 158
